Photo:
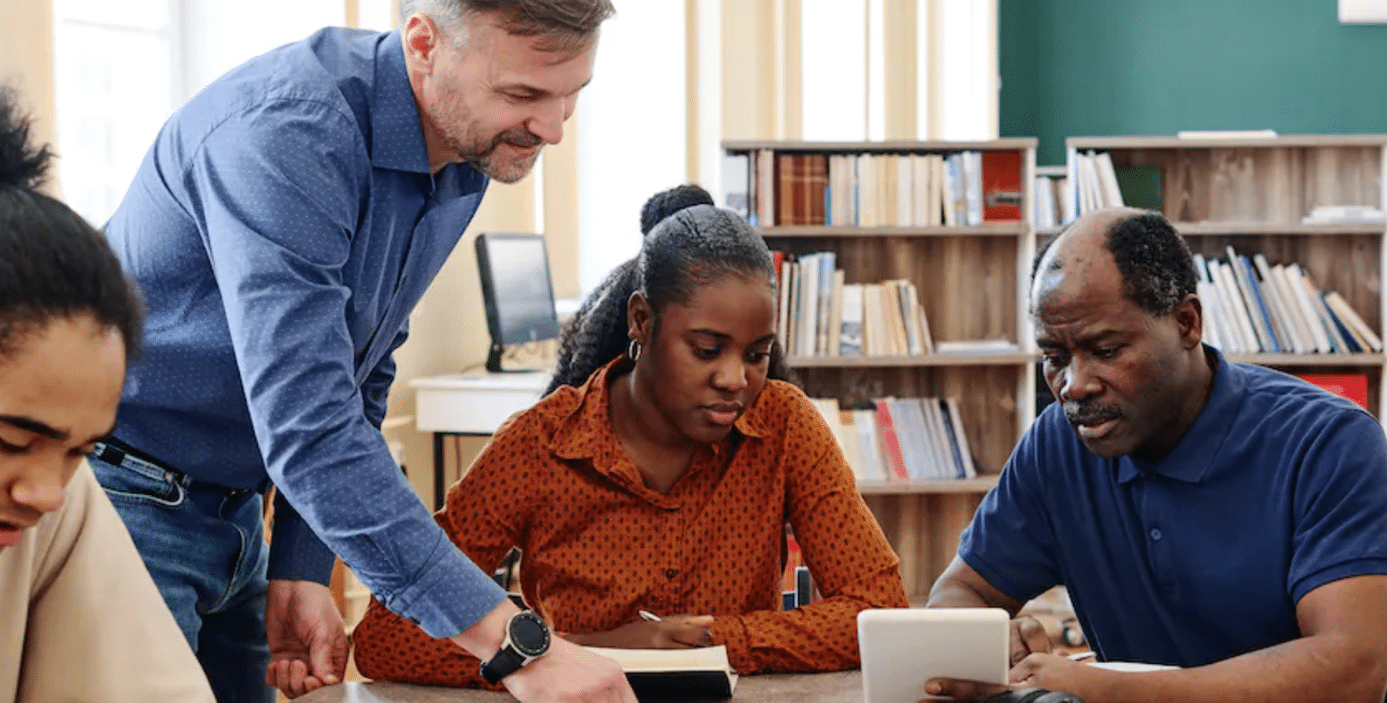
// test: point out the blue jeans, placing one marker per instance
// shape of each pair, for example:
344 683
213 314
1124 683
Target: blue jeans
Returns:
206 550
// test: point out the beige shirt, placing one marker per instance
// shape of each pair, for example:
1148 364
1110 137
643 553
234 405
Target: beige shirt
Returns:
80 618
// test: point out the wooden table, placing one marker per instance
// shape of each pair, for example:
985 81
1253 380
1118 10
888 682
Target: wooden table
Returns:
836 687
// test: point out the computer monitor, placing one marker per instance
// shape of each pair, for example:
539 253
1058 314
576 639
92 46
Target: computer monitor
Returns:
516 289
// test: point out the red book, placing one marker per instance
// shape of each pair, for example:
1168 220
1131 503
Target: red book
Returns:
1353 386
892 442
1001 186
793 559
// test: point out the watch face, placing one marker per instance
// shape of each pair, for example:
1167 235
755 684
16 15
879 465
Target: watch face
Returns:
529 634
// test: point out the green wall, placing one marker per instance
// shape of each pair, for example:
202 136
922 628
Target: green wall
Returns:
1139 67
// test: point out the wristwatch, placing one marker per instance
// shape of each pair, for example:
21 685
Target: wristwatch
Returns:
527 638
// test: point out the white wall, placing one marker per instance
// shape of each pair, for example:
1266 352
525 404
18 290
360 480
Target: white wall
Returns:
631 131
217 36
121 68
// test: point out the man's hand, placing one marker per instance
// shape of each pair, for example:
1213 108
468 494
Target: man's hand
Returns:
673 632
308 644
1027 637
567 673
1060 673
1051 672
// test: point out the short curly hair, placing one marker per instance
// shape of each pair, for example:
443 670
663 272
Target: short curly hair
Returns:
1154 260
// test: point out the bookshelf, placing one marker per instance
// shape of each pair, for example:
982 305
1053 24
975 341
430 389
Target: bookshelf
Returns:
1252 194
971 286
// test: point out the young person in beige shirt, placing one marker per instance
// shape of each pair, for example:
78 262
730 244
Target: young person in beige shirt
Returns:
80 618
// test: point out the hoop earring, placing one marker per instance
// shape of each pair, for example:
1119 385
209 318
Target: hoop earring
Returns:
633 350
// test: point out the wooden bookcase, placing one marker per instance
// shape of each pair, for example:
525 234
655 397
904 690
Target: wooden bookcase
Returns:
971 283
1251 193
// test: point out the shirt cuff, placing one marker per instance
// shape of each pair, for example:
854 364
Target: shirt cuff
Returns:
730 632
450 596
296 553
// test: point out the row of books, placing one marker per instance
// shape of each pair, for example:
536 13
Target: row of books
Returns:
902 439
1052 208
1251 306
1097 182
819 314
965 188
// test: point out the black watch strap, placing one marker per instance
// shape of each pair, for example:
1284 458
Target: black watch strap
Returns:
506 661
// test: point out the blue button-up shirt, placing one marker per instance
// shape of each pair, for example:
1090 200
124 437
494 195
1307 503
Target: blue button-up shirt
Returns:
282 227
1277 489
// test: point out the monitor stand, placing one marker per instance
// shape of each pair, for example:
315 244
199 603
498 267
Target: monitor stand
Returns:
493 360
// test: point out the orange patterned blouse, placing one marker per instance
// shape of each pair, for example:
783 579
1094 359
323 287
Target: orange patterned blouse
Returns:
599 545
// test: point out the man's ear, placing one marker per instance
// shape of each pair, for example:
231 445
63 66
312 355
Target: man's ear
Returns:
1189 316
422 41
639 317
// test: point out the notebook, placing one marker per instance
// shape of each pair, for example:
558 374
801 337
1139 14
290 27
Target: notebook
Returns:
903 648
675 674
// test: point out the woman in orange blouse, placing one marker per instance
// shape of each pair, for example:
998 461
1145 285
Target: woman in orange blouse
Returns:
659 475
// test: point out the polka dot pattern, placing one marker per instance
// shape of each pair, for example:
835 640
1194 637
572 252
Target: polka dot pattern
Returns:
599 545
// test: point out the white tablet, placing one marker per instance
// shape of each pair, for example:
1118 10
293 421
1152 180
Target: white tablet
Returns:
902 648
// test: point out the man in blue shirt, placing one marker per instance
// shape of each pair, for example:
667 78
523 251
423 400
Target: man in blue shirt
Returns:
1221 517
283 226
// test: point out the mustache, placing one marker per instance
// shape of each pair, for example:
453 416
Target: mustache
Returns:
1090 413
518 137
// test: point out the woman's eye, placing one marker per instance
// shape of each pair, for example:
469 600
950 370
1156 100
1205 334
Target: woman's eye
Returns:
707 353
8 448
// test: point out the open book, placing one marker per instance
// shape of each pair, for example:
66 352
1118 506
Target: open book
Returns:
701 673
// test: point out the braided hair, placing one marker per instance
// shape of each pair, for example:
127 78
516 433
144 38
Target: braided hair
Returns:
688 243
52 263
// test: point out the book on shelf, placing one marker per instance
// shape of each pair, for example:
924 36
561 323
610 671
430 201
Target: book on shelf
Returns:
1226 134
1345 214
668 674
1142 186
1001 186
736 177
869 445
892 455
975 346
850 442
1353 386
1104 185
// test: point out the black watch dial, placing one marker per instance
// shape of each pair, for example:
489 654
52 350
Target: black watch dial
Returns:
529 634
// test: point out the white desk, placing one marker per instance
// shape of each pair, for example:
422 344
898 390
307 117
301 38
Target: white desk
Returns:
470 404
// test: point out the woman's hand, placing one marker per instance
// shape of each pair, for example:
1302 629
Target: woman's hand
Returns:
672 632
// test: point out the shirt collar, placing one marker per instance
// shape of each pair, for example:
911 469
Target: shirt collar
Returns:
397 130
1197 452
587 431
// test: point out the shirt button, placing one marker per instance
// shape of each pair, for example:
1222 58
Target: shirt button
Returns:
1156 534
671 573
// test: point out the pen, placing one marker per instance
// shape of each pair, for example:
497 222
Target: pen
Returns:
647 615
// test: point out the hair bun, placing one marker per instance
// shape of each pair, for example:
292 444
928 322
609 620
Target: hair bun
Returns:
19 166
667 202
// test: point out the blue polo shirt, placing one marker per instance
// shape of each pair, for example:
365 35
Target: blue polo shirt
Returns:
1278 488
282 227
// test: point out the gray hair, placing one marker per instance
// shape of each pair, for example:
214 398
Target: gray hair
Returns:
565 25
